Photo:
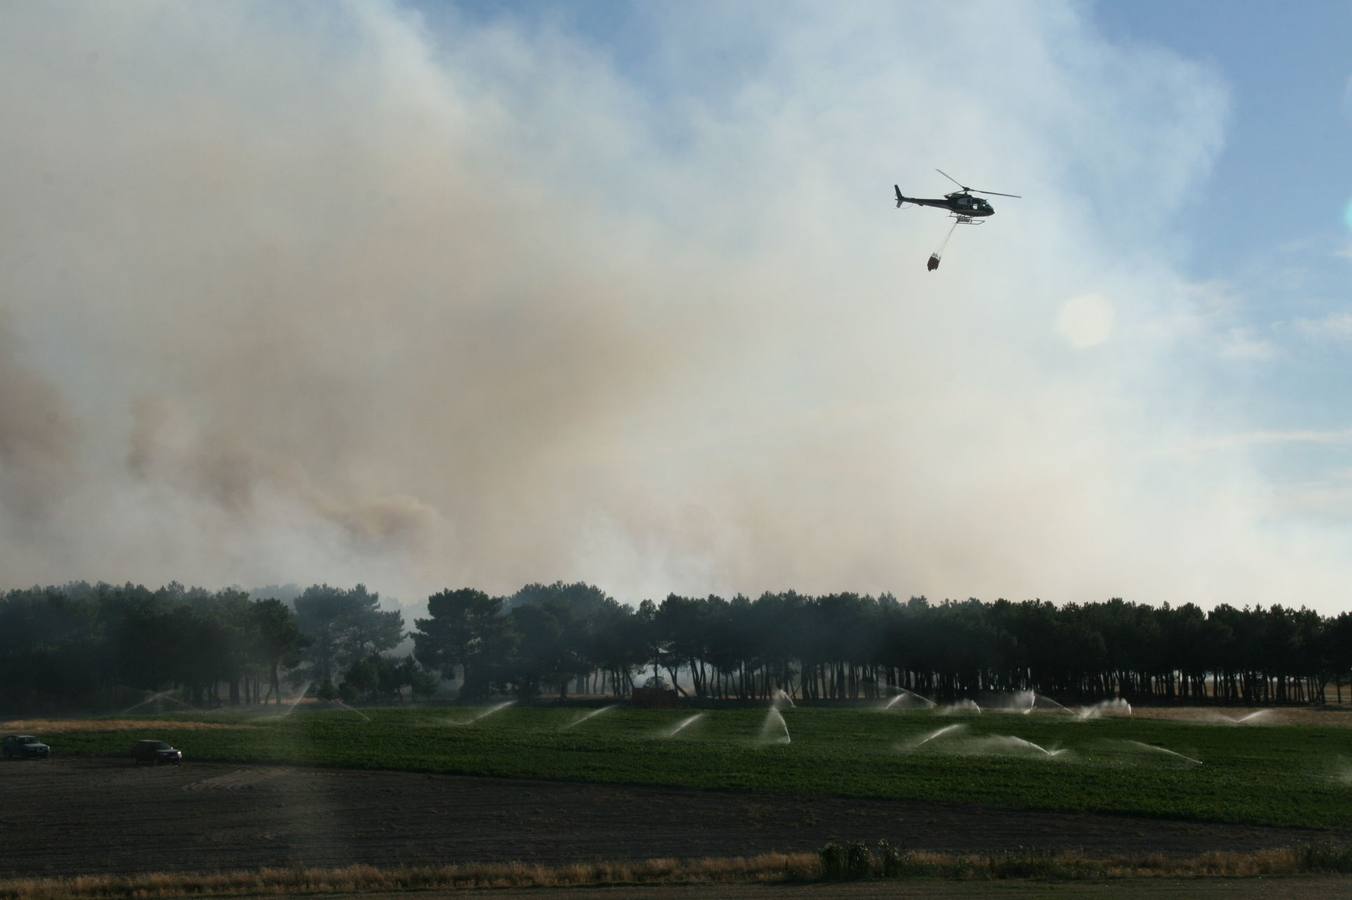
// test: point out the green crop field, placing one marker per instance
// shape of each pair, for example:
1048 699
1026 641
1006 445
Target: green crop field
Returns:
1260 774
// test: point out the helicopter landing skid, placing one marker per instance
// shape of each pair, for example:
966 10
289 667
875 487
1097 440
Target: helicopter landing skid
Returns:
967 220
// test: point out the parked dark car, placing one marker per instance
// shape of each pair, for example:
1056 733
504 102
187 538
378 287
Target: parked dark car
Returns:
155 753
25 746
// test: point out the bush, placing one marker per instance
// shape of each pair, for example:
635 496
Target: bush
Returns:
890 860
833 861
846 862
1326 857
858 860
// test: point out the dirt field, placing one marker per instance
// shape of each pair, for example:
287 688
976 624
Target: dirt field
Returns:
1312 886
61 817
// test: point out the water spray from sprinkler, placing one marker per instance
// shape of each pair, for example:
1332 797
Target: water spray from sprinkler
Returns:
1103 707
292 703
684 724
961 707
903 694
1246 719
936 734
156 698
1037 697
1006 742
775 730
1157 749
484 714
591 715
343 705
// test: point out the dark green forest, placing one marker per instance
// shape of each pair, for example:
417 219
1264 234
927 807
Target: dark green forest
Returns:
88 647
851 647
102 646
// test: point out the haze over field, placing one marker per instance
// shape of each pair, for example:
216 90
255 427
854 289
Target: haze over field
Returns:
350 292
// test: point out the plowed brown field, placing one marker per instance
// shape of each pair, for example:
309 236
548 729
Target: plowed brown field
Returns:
68 816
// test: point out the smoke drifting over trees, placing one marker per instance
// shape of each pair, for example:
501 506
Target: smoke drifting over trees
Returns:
335 292
82 646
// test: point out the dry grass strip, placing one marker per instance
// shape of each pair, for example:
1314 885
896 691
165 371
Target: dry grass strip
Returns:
769 867
72 726
765 868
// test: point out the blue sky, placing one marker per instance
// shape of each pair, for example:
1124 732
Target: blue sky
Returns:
1277 225
1285 174
429 295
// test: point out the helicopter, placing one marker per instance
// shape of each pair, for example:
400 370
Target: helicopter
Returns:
961 204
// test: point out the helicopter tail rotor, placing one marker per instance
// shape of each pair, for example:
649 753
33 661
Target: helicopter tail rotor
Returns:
900 198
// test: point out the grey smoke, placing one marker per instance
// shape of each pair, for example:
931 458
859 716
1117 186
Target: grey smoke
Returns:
37 438
331 293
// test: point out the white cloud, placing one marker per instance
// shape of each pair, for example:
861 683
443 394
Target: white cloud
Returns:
326 293
1202 444
1332 327
1243 345
1326 498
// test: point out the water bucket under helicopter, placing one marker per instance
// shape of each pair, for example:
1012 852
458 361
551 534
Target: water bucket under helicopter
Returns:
938 254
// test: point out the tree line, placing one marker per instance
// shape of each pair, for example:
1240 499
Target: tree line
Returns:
855 647
83 646
80 646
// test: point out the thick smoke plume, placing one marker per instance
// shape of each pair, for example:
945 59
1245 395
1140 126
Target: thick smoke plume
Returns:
37 438
334 292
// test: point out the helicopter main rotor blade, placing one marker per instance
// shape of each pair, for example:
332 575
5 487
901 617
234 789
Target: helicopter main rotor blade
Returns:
952 179
976 190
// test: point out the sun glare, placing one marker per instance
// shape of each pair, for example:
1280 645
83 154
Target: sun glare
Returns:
1086 321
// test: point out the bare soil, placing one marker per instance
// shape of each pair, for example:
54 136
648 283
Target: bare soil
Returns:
1317 887
72 816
